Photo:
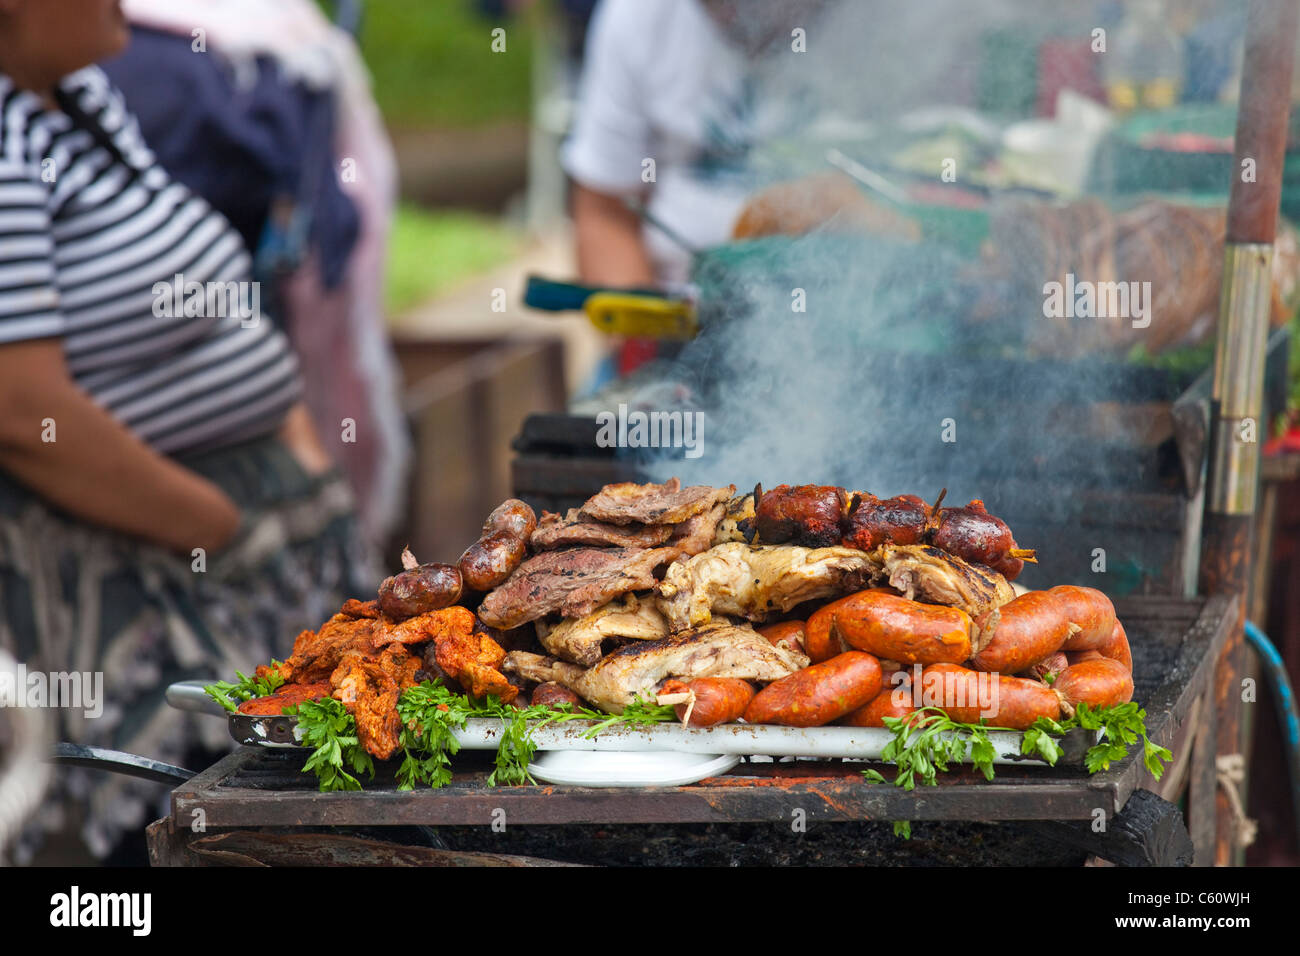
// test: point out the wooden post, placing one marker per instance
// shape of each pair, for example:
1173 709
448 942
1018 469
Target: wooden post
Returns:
1262 116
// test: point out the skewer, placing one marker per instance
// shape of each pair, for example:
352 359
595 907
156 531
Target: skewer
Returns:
671 700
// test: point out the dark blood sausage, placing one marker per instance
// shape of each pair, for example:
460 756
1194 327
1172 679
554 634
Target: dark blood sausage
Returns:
551 694
1117 648
818 694
1026 631
1090 611
875 521
808 515
718 700
513 517
894 700
969 696
1098 683
491 559
428 587
787 634
975 535
892 627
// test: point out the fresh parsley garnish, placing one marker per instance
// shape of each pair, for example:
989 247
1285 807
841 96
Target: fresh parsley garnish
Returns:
231 695
923 747
331 732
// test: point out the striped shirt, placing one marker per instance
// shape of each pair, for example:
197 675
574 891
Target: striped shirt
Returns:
147 286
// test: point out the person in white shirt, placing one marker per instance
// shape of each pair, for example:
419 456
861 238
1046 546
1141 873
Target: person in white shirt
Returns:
674 95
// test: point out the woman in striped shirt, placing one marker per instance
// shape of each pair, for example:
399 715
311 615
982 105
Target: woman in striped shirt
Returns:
165 509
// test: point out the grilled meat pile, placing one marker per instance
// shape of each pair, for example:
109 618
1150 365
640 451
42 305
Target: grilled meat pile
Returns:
706 593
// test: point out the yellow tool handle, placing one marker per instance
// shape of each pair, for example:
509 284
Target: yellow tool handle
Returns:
641 316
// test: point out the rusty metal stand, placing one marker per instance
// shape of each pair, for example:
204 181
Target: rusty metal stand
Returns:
1237 431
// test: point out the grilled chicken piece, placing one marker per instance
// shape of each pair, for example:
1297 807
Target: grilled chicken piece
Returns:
669 503
718 649
287 696
429 626
317 653
757 582
574 582
929 574
579 641
738 522
554 532
463 650
368 684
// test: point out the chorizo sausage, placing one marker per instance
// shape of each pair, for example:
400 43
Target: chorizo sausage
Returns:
1088 610
894 700
820 643
818 694
787 634
1074 657
978 537
1117 648
872 521
512 516
490 560
809 515
427 587
1098 683
551 694
717 700
968 696
1025 631
892 627
1054 664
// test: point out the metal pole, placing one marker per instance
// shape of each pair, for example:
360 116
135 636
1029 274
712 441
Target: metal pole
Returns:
1237 431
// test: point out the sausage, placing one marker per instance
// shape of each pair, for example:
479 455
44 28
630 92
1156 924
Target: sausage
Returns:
551 694
894 700
818 694
787 634
491 559
969 696
1117 648
820 642
978 537
1090 611
1026 631
718 700
892 627
1054 664
1074 657
1097 683
872 521
512 516
808 515
428 587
